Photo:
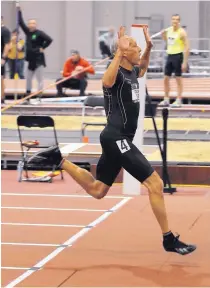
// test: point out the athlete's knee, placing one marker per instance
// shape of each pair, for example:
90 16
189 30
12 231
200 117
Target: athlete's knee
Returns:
166 79
98 190
178 79
100 195
154 183
158 183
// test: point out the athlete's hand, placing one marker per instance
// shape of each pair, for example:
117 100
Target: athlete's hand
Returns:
2 62
184 67
17 4
147 37
123 42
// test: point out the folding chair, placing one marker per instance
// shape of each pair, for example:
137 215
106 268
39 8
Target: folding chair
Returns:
23 166
94 102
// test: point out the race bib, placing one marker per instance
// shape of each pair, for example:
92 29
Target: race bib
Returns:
135 92
123 145
171 41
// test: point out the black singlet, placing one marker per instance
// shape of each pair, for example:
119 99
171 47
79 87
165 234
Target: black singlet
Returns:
122 102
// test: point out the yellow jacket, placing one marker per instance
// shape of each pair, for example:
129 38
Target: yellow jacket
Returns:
12 52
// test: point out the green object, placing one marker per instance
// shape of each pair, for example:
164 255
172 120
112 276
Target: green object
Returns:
34 36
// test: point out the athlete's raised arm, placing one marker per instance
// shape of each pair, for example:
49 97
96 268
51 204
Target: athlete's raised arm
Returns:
110 75
144 61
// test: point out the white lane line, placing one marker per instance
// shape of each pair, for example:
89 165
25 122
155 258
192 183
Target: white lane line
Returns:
52 209
30 244
69 148
60 195
14 268
41 224
70 241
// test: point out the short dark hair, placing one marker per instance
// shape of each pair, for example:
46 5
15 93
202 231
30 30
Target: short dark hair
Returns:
15 31
176 15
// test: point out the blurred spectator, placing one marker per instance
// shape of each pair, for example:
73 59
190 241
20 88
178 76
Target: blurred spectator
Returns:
72 66
36 42
177 59
5 46
16 56
106 41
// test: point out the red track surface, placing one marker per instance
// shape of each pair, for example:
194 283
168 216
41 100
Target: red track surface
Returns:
123 250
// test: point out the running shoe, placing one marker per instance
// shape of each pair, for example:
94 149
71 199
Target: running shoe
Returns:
173 244
176 104
164 103
49 156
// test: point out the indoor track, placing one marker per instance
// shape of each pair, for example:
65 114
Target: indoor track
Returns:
54 235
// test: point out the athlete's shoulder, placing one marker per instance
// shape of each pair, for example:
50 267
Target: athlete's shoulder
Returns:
119 72
169 30
182 32
118 81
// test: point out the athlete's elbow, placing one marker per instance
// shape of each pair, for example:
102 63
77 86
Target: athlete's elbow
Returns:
188 49
187 46
143 64
107 83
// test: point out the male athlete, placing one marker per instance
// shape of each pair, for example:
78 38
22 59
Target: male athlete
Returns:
120 86
177 58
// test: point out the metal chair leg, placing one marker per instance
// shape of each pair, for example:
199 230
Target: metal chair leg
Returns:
20 170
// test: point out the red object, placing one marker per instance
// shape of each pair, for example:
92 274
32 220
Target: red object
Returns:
69 67
31 142
85 139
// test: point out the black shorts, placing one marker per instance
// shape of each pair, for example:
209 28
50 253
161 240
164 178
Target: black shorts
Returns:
105 50
2 70
174 64
118 152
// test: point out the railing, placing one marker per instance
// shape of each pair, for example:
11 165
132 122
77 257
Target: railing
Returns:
199 59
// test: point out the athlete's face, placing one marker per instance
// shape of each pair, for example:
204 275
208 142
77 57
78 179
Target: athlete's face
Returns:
32 25
133 52
175 21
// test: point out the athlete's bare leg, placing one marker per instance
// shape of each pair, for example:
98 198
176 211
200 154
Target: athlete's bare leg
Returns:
166 86
178 101
179 82
93 187
166 100
155 188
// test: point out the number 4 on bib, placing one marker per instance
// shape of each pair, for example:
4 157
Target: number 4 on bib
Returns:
123 145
